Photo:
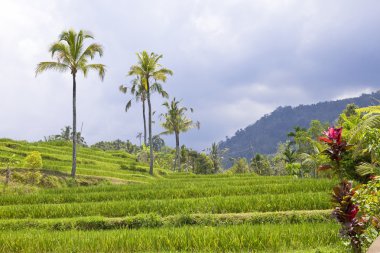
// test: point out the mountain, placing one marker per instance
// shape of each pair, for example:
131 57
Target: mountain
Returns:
264 135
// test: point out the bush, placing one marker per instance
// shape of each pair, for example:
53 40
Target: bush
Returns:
18 177
50 182
34 160
367 196
240 166
33 177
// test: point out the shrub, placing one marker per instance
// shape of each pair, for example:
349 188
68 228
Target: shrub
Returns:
367 197
34 160
50 182
33 177
18 177
240 166
143 155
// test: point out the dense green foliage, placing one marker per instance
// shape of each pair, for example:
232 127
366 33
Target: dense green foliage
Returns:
117 145
368 198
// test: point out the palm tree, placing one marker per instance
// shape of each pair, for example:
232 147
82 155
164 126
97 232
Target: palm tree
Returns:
176 122
150 73
216 156
138 91
71 55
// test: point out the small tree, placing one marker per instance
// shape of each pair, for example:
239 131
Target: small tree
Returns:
34 160
158 143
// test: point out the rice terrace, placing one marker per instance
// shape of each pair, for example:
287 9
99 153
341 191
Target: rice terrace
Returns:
117 140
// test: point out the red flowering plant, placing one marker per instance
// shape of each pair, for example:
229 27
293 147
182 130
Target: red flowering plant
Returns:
336 148
345 210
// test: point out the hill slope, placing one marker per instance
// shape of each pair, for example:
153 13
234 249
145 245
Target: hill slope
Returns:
264 135
56 156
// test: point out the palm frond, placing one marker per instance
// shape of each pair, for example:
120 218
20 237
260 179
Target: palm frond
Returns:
157 87
129 104
100 68
123 89
43 66
369 111
62 50
365 169
92 50
87 34
166 132
373 121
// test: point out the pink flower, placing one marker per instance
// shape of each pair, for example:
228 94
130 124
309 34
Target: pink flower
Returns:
334 134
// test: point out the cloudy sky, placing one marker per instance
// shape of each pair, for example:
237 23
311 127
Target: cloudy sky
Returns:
233 61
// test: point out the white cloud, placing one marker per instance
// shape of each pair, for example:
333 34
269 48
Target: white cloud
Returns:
233 61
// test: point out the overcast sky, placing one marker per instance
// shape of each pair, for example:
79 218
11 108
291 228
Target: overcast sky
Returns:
233 61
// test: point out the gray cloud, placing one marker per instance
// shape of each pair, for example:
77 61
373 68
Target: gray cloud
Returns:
234 61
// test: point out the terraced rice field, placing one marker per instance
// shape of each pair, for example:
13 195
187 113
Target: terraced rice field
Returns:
166 213
95 162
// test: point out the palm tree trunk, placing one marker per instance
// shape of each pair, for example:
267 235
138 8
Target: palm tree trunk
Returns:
143 104
177 155
74 165
150 130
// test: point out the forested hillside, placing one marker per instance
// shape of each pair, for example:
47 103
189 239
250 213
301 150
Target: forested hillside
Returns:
264 135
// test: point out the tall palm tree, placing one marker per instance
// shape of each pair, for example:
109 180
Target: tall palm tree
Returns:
176 122
150 73
138 91
72 55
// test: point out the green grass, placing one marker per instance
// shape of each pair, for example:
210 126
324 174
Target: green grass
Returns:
153 220
235 238
167 212
217 204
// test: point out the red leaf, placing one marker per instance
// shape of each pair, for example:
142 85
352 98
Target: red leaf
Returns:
324 167
325 139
